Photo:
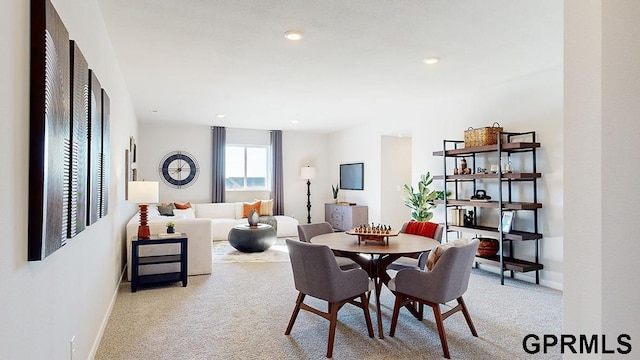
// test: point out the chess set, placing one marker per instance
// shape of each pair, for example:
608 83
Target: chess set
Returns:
373 234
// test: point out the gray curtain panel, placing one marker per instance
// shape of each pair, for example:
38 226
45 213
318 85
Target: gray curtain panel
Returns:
217 164
277 192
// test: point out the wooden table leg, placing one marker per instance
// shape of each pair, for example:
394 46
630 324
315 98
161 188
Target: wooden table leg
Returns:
378 288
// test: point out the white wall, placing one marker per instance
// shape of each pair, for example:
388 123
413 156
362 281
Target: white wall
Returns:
69 293
359 144
601 135
155 141
395 171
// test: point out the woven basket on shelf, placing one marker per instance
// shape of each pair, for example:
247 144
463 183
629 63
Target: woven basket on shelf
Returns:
482 136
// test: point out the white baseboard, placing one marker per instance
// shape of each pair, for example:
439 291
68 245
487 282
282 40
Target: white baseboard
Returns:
107 315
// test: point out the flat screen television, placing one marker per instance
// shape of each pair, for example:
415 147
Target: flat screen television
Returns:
352 176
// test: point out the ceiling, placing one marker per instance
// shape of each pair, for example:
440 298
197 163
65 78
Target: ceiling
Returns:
360 61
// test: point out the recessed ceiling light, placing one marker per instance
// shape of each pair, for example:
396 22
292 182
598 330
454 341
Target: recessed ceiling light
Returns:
294 121
220 116
293 34
431 61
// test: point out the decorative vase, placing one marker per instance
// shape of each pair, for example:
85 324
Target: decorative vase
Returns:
171 230
253 218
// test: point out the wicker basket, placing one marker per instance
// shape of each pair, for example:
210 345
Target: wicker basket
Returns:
482 136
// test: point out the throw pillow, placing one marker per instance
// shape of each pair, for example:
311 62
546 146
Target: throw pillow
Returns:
186 205
437 251
185 213
422 228
247 207
166 210
266 207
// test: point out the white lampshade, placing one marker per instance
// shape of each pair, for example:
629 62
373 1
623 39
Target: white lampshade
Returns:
143 192
308 172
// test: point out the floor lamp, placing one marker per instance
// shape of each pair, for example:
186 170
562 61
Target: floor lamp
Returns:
143 193
308 173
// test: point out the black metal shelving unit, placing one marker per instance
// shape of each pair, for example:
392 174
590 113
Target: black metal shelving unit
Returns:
509 143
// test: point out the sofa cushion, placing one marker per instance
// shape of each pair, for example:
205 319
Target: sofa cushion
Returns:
266 207
248 207
185 213
437 251
215 210
186 205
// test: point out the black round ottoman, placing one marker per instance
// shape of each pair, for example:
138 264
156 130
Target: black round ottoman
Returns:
249 239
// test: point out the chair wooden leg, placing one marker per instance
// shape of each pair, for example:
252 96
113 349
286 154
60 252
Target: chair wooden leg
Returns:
396 310
443 336
367 317
467 317
333 320
296 310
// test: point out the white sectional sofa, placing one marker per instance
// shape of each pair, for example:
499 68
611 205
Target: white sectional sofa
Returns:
203 224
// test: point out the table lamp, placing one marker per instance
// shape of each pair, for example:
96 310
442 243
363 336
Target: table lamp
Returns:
308 172
143 193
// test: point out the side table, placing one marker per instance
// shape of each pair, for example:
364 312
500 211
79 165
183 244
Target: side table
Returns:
138 261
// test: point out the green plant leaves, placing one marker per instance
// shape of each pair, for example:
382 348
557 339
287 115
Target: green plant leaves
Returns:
423 201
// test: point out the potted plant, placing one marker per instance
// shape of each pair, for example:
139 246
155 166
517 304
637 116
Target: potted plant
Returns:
421 202
171 227
335 190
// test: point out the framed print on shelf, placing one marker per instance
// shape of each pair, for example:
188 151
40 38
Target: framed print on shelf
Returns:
506 222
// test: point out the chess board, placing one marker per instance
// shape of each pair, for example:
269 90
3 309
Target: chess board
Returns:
372 236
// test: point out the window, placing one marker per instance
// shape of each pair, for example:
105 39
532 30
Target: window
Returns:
246 167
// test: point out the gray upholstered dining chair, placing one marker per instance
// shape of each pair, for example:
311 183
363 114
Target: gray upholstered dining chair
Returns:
446 281
307 231
316 274
415 261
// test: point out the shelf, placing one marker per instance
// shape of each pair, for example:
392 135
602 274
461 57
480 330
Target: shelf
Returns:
159 278
508 147
492 204
493 232
163 259
510 263
506 176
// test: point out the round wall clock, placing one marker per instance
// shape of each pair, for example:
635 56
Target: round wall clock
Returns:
179 169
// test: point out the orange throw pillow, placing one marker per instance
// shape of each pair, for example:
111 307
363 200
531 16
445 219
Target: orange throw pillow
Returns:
182 206
247 207
422 228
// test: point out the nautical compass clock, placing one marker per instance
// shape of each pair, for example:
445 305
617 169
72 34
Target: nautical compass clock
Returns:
179 169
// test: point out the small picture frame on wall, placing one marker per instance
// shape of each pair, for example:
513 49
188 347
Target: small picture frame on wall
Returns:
507 221
132 148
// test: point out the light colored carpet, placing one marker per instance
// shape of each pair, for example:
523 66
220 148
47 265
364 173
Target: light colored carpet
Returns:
225 253
242 310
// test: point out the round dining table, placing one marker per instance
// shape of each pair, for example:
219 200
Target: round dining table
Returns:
380 256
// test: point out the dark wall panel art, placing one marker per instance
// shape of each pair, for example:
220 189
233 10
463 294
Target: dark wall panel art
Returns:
68 137
104 156
80 140
49 132
95 147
